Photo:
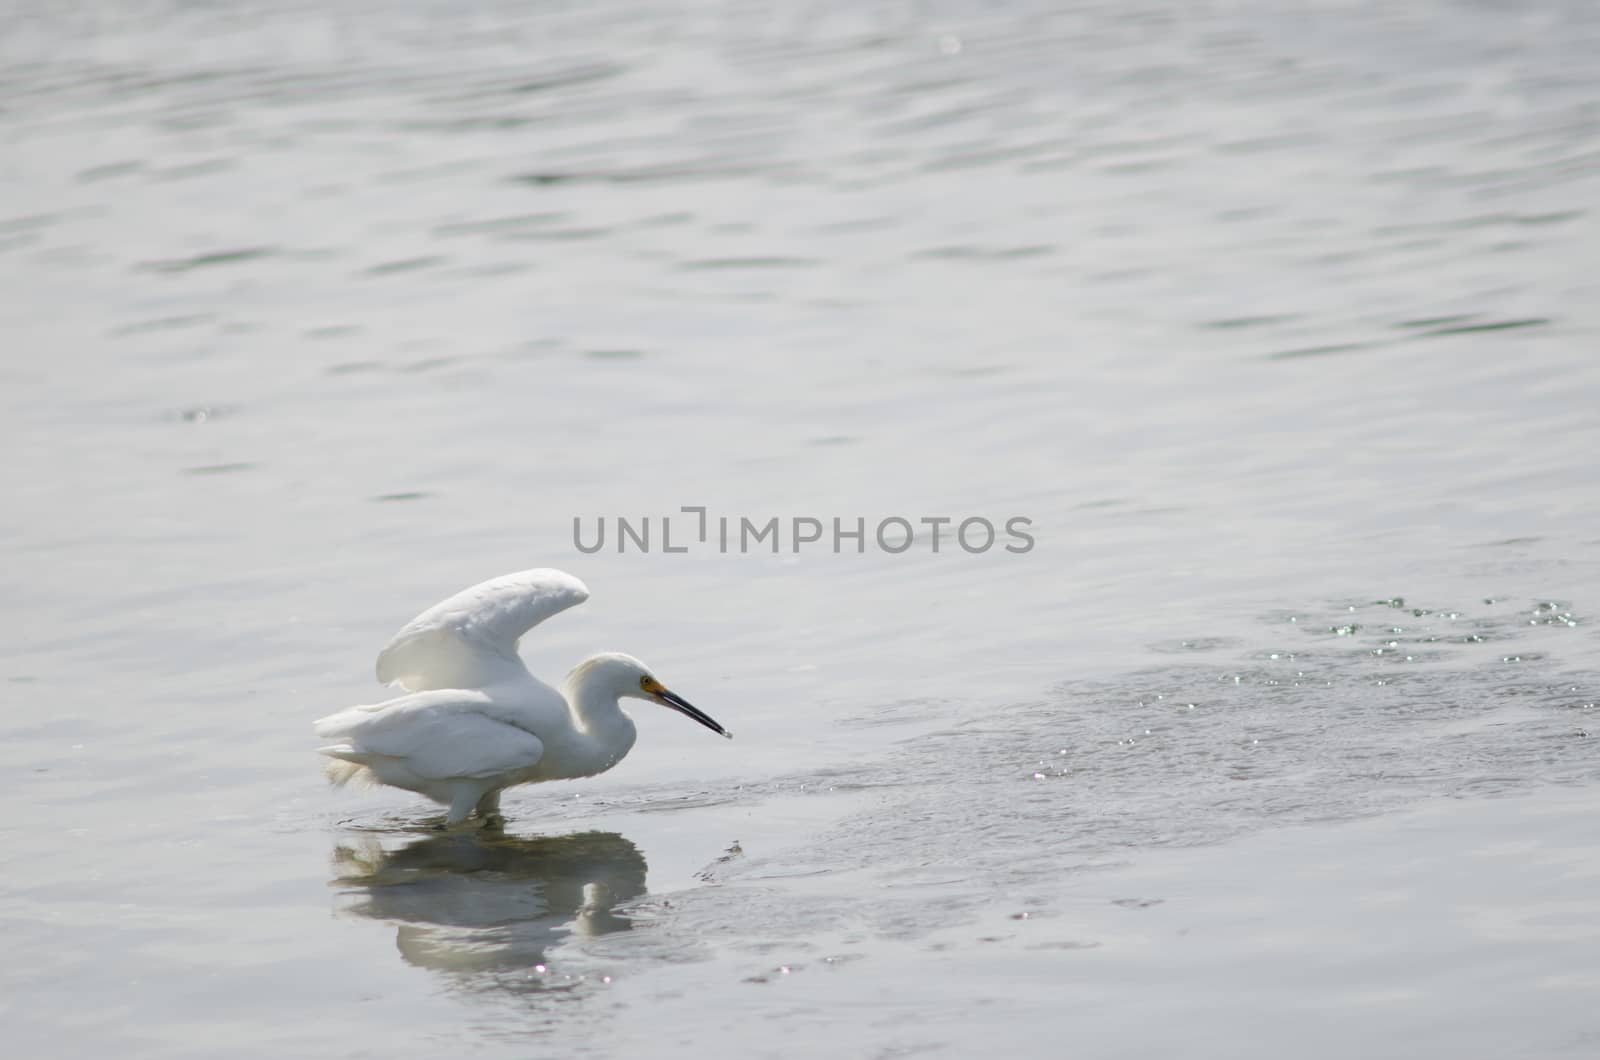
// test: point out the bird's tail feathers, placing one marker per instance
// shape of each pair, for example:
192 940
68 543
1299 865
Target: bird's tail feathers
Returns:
338 725
342 769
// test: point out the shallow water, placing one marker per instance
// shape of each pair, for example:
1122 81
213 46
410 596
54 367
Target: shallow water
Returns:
1276 322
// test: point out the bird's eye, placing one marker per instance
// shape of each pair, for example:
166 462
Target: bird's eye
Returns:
649 684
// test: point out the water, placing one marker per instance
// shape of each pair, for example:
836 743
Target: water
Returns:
1275 320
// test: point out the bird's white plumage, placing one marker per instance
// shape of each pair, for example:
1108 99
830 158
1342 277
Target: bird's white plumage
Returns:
475 721
435 736
468 640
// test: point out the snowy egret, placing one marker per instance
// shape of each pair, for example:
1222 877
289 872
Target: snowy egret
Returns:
474 721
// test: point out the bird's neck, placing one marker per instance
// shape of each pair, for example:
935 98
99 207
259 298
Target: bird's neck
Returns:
601 732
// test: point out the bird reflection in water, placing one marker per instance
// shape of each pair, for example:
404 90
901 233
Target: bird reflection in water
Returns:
482 904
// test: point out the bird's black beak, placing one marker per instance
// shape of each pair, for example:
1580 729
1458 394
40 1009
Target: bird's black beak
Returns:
688 710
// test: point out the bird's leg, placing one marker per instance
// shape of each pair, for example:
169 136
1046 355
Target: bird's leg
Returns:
488 808
461 803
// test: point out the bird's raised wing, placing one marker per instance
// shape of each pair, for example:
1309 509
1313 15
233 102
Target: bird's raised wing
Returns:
470 639
443 735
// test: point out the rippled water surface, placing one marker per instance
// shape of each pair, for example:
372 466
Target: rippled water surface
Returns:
1276 320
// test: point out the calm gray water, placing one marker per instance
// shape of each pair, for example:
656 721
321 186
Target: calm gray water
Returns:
1277 320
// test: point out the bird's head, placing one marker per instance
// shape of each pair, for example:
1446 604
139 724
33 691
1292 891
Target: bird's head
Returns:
623 675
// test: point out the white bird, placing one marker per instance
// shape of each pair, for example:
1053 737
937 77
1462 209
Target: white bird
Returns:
474 721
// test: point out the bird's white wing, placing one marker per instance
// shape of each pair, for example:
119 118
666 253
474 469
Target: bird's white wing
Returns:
439 735
470 640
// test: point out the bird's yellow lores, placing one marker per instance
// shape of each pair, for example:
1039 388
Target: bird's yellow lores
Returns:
474 721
